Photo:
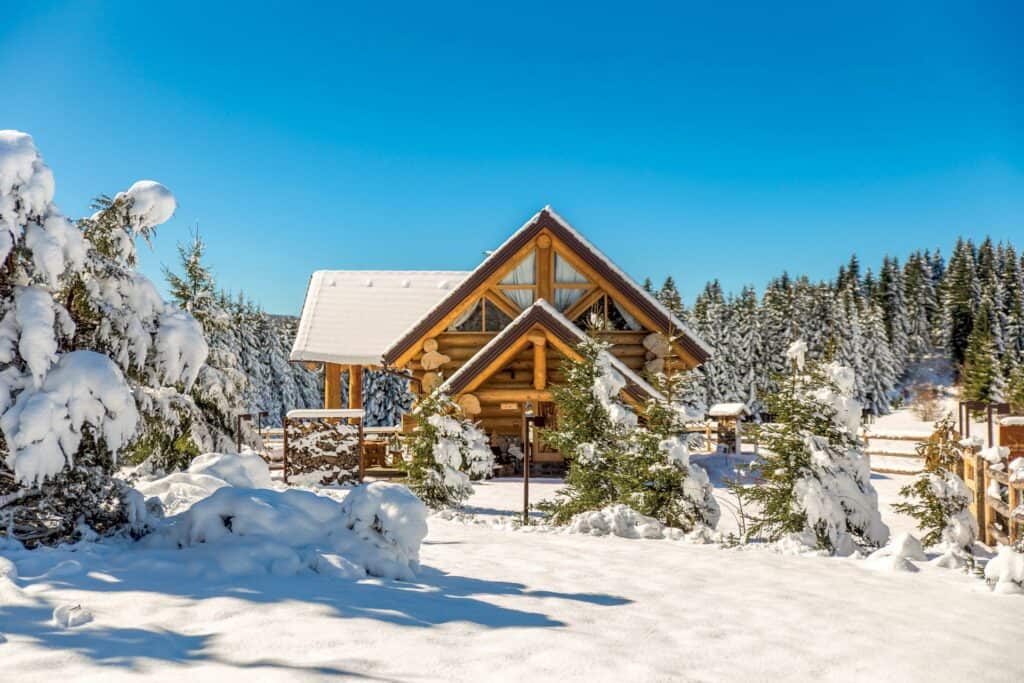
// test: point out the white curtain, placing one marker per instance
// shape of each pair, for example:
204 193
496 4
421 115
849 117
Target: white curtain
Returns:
523 274
522 297
566 297
565 273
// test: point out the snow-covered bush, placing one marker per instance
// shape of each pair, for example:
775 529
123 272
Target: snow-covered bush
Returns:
444 453
376 530
616 460
90 354
1006 570
938 499
813 480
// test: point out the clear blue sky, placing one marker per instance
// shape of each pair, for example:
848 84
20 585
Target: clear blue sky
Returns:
707 140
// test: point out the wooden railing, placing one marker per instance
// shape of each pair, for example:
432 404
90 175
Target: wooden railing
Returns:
998 502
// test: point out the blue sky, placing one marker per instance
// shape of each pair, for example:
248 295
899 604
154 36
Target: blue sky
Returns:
729 140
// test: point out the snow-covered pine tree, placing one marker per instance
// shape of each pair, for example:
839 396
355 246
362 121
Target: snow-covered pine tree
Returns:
813 481
613 459
776 321
222 386
444 453
386 397
669 296
879 363
938 499
922 305
982 375
89 351
961 294
746 327
891 296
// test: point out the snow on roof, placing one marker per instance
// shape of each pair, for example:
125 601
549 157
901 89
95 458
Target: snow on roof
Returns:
511 330
350 317
499 253
728 410
314 413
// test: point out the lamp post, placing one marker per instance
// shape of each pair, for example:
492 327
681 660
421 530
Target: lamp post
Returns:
528 418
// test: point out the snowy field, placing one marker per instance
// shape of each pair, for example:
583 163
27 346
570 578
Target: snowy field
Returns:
495 603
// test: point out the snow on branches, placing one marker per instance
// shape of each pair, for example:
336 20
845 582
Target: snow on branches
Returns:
44 427
813 480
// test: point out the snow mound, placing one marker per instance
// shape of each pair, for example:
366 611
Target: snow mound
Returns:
616 520
7 569
178 491
70 616
896 555
245 470
376 530
995 454
1006 571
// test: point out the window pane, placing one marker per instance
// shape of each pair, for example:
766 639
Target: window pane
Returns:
522 274
470 321
593 317
496 319
565 298
522 297
619 319
564 272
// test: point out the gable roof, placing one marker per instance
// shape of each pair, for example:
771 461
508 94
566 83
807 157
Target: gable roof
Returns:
552 320
351 316
547 218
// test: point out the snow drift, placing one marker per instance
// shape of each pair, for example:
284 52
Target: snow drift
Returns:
376 531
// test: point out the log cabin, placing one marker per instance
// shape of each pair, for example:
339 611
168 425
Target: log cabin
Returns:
494 338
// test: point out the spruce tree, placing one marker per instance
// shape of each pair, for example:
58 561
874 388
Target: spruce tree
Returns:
812 480
938 499
444 453
982 376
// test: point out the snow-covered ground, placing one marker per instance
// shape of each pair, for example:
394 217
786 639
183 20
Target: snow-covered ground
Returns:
495 603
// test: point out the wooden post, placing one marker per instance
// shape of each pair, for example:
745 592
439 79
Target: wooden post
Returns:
284 454
526 468
355 387
332 386
362 451
991 431
545 268
540 361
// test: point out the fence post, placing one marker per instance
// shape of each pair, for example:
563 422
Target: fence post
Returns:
284 452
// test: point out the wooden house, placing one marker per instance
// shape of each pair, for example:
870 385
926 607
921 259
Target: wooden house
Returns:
495 337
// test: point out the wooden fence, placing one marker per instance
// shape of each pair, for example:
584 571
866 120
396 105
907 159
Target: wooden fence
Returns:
998 501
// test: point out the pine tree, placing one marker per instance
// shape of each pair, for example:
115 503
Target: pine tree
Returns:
386 398
879 363
670 297
90 353
444 452
194 290
982 375
961 293
938 499
812 479
613 459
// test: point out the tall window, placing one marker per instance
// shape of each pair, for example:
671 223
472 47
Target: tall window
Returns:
570 284
520 284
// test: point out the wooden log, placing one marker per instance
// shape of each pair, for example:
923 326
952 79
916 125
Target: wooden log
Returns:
540 360
470 404
430 381
545 267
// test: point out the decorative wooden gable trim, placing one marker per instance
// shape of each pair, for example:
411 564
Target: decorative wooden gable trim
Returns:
537 233
540 319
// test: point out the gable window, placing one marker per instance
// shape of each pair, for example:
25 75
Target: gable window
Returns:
604 314
520 285
570 284
482 316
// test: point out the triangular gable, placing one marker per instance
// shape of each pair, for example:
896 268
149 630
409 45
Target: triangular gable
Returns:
544 315
582 249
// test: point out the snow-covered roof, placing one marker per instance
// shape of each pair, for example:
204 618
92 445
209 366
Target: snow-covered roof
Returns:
351 317
728 410
547 217
551 318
